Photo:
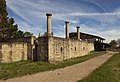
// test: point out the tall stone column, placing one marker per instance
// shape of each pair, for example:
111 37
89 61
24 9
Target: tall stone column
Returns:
78 32
67 29
49 24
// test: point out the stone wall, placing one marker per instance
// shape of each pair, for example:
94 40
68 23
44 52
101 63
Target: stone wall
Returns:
42 49
61 49
16 49
10 52
57 49
50 49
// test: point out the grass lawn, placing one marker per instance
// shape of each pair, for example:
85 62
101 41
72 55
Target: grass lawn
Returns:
21 68
108 72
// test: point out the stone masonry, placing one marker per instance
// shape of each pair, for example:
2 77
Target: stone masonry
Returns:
45 48
16 50
53 49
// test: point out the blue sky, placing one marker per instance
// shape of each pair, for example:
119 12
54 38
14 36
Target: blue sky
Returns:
98 17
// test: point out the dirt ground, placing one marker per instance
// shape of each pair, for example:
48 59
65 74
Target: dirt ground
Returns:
67 74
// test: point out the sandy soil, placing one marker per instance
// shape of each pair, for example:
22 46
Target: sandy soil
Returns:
67 74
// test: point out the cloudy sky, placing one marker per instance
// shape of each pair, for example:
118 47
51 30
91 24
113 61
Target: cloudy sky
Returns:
98 17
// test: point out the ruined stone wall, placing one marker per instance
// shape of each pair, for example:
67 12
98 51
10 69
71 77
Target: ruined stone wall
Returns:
61 49
16 49
0 52
10 52
42 50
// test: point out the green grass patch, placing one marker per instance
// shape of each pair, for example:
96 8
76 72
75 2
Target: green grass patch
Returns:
21 68
108 72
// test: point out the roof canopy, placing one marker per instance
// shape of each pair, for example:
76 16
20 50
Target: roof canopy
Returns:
85 36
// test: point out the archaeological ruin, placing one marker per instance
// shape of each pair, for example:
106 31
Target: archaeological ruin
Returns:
50 48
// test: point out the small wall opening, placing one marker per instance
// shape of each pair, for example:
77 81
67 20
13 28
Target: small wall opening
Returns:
61 49
83 48
75 48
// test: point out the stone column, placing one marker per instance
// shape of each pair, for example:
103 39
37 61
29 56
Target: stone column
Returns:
78 32
67 29
49 24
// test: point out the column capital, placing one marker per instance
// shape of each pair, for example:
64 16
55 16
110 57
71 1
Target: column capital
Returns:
48 14
78 27
66 22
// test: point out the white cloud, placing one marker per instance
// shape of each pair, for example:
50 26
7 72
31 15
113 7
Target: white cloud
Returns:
44 1
94 14
75 21
110 34
34 12
117 10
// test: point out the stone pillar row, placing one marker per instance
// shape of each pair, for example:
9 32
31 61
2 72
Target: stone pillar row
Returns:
49 33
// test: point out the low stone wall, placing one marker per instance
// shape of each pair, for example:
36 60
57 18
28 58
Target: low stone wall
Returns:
61 49
16 49
55 49
42 49
49 49
10 52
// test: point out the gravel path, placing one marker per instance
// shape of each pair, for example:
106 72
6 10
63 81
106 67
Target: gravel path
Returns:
67 74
